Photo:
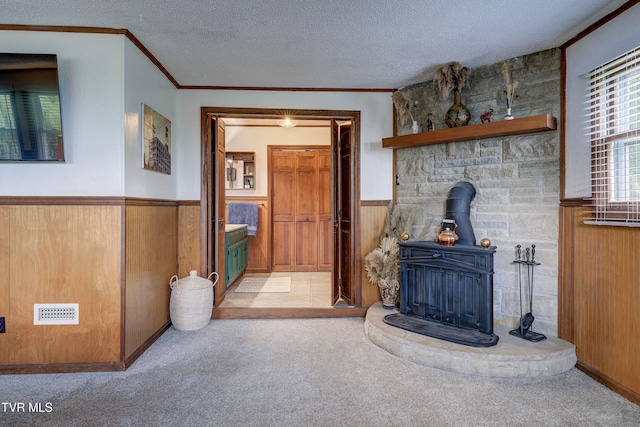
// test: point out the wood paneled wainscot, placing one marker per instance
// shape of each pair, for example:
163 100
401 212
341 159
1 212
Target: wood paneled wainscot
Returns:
189 238
151 260
111 256
61 254
372 216
599 299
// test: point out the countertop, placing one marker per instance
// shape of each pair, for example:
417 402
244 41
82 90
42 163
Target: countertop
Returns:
233 227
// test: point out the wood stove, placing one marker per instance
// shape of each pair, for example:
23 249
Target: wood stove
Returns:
446 292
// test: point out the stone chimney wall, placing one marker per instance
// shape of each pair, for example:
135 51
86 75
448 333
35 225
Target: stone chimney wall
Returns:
517 179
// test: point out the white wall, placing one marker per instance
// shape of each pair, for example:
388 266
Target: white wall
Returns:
256 139
104 79
90 69
607 42
145 83
376 123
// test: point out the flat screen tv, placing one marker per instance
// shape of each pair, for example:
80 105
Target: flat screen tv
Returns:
30 119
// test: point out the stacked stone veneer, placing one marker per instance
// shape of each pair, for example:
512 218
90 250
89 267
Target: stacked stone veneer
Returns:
517 179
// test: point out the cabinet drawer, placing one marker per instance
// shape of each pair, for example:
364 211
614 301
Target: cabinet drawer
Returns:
236 236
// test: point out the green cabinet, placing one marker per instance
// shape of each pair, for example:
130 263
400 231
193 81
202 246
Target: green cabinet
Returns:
237 252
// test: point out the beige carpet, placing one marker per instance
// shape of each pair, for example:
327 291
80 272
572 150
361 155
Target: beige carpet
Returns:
300 372
267 284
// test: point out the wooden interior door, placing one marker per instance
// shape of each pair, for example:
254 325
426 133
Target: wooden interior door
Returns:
301 212
282 184
306 212
343 283
218 146
325 225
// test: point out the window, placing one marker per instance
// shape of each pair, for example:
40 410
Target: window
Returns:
29 125
613 126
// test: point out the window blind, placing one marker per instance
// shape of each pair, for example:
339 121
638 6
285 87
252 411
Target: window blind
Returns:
612 124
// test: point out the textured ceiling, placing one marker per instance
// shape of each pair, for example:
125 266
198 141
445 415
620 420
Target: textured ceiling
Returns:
358 44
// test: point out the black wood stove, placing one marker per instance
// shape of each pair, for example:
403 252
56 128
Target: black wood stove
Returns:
446 292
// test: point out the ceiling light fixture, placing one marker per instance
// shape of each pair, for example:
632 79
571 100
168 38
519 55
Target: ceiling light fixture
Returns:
287 123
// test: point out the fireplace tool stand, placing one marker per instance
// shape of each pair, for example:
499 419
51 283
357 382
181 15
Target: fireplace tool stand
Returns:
524 329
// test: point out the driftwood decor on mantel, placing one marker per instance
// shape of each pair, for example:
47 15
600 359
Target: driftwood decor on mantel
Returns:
521 126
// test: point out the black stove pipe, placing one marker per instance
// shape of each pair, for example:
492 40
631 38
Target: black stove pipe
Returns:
458 209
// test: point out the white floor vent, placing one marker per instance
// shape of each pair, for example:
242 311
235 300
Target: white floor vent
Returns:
55 314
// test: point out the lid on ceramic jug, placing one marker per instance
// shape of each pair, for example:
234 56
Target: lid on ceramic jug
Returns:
192 281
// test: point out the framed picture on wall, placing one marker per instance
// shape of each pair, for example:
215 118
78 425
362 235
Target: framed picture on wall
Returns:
156 141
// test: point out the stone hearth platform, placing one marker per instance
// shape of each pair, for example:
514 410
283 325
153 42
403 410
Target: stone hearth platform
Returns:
512 357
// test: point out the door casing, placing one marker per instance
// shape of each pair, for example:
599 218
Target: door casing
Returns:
209 192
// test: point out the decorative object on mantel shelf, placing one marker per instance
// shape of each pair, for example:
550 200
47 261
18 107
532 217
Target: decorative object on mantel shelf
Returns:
511 89
458 114
403 109
431 124
486 117
454 77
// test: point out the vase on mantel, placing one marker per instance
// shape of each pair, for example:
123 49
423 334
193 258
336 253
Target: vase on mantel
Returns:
458 115
414 127
509 116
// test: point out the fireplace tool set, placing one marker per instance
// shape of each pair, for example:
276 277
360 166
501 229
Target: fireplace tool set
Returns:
529 261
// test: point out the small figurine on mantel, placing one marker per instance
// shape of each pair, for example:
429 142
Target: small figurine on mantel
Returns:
486 117
431 125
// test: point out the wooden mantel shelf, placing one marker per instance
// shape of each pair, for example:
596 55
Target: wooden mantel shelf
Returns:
533 124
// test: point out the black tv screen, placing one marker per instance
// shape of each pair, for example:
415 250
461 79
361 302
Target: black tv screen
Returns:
30 119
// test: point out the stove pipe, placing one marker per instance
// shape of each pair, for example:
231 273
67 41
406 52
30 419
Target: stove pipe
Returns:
458 208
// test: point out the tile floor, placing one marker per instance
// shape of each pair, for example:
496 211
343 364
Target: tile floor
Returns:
308 289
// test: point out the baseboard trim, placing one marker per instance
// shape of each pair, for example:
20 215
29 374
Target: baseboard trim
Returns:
286 313
62 368
145 346
623 391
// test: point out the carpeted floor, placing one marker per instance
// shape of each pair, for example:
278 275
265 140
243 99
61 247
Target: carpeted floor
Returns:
301 372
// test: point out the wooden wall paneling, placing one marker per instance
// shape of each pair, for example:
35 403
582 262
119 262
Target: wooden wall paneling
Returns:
306 210
5 229
65 254
372 214
151 260
325 226
189 240
605 301
566 245
283 210
258 245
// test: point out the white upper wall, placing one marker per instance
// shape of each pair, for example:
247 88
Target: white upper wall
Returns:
146 84
90 70
256 139
104 79
376 163
616 37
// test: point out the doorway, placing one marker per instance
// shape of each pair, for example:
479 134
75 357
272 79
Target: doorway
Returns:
344 205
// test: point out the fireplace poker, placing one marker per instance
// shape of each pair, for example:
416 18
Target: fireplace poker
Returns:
519 261
533 263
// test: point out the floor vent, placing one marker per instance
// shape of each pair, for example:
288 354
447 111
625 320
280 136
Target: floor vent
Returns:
55 314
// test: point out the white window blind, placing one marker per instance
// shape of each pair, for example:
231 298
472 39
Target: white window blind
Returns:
613 127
